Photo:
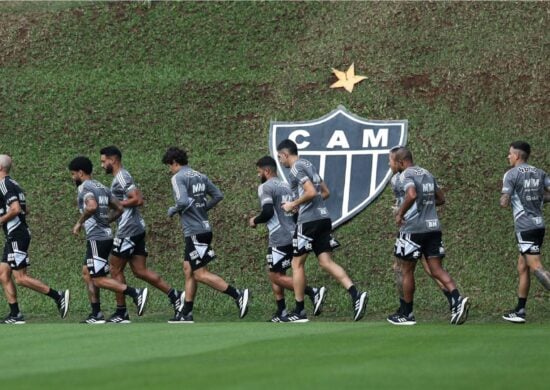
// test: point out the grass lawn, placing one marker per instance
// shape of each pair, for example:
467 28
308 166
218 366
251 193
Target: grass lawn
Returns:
253 355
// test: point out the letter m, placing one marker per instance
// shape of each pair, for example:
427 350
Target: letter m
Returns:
375 140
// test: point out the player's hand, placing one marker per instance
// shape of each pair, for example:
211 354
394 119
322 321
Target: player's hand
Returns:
399 219
288 207
77 228
251 222
172 211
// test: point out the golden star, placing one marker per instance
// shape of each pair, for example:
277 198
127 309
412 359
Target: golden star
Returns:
346 79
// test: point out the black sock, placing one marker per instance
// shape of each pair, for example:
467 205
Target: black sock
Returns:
407 308
130 291
448 296
232 292
299 306
187 308
54 294
402 305
172 295
96 308
521 304
281 306
353 292
121 309
14 309
454 296
309 292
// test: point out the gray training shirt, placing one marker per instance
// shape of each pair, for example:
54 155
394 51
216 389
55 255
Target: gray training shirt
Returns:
191 190
97 226
130 223
301 172
281 226
525 184
422 216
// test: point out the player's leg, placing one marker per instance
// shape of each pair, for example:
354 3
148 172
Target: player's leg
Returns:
96 316
535 266
279 294
14 316
445 292
185 315
517 315
117 264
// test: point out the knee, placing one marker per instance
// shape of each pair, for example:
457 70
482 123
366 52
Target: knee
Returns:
199 275
523 268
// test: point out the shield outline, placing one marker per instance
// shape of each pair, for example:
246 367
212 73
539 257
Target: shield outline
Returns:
341 110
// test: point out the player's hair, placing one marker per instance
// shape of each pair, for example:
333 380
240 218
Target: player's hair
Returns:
288 145
523 148
111 151
81 163
267 162
175 154
5 162
401 153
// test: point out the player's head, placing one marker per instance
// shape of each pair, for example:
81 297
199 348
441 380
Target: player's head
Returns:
81 168
110 155
400 158
287 151
5 164
267 168
519 152
175 158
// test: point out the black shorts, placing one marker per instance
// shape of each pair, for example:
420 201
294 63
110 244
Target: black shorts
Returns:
279 258
314 236
412 246
198 251
16 249
530 242
126 247
97 255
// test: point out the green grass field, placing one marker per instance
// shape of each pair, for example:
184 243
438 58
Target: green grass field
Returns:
254 355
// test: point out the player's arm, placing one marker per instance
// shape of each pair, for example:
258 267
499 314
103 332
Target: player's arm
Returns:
410 198
546 196
439 197
309 193
325 192
13 211
90 207
504 200
135 198
216 196
507 189
183 201
266 214
116 209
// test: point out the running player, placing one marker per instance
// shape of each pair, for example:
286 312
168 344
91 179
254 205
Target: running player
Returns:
420 235
98 207
526 188
129 242
313 230
195 195
399 197
13 215
272 193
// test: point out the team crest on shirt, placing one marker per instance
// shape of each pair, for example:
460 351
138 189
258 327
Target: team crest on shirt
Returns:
350 153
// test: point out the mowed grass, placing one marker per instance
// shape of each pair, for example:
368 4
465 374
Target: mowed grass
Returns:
251 355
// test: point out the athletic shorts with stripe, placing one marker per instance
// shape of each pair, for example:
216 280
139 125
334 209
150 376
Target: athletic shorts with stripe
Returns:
198 251
530 241
279 258
412 246
314 236
97 257
16 249
126 247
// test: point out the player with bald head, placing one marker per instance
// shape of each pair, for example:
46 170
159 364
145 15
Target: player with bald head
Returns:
15 260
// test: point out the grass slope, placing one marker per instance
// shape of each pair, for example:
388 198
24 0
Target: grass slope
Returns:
242 356
469 77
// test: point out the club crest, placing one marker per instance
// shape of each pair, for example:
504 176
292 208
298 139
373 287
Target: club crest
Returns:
350 153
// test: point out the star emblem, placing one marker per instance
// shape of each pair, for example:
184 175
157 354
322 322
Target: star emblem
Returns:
346 79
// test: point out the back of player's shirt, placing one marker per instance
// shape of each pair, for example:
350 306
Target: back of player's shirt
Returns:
422 216
281 226
97 226
525 184
11 192
130 223
193 189
314 210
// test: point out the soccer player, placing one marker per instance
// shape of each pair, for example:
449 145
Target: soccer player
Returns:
526 188
399 197
13 219
420 235
272 193
195 195
129 243
98 207
313 230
